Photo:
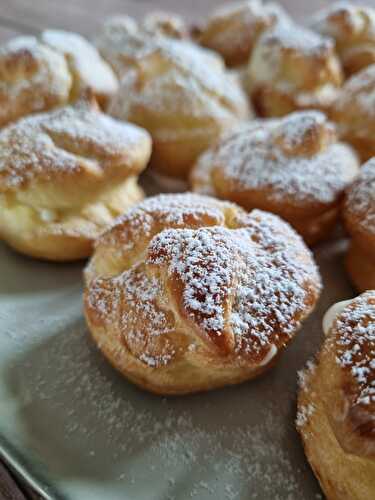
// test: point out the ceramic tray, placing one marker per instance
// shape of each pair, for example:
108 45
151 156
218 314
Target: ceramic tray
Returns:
77 430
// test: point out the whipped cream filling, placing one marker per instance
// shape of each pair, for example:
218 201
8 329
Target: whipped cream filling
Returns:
332 314
270 354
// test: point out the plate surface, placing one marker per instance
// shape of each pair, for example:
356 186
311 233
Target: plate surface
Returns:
77 430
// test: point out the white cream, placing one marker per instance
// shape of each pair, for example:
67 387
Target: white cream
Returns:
47 215
270 354
332 314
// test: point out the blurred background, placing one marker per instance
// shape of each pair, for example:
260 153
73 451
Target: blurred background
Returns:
28 16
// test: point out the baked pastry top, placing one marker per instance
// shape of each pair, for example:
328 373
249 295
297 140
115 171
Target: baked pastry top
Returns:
187 293
353 29
293 166
184 97
41 74
292 68
336 409
123 41
64 176
354 112
359 209
359 218
232 30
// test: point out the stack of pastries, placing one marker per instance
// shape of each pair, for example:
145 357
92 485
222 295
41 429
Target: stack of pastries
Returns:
267 123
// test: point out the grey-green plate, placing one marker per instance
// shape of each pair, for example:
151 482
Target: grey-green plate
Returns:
75 429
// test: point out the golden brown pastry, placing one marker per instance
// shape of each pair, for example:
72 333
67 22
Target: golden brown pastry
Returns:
354 112
353 29
359 217
336 403
232 30
293 68
64 176
41 74
184 97
186 293
167 24
123 41
291 166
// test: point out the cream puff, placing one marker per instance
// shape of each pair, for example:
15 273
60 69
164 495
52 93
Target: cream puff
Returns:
186 293
354 112
185 99
232 30
292 166
39 74
123 42
292 68
64 176
353 29
359 218
336 403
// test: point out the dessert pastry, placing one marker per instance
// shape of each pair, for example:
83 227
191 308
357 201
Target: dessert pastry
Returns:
354 112
292 166
359 217
186 293
184 97
232 30
123 42
353 29
41 74
336 403
64 176
293 68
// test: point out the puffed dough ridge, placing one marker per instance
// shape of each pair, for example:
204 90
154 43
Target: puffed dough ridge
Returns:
64 176
353 29
292 68
293 166
181 293
336 405
39 74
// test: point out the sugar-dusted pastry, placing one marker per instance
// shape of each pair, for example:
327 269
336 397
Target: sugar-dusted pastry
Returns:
184 97
41 74
292 166
233 29
167 24
123 41
64 176
292 68
187 293
353 29
354 112
336 403
359 217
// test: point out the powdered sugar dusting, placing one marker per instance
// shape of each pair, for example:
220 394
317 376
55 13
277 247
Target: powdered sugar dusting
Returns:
50 144
180 78
355 343
359 92
360 201
296 38
246 271
261 157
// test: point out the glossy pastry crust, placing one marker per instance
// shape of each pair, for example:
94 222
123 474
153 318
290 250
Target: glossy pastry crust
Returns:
184 97
39 74
293 68
186 293
293 166
336 405
232 30
64 176
359 218
353 29
354 112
